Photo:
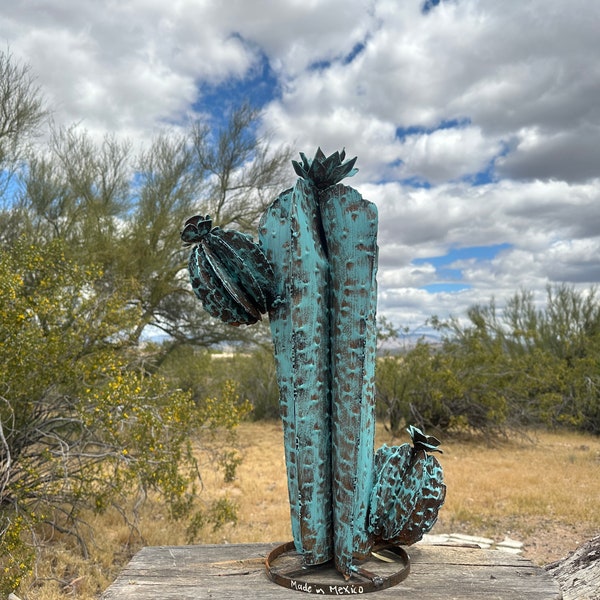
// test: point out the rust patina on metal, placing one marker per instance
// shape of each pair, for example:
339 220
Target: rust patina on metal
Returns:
314 273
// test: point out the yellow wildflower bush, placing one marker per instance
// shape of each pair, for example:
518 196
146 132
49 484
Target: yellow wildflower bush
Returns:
81 426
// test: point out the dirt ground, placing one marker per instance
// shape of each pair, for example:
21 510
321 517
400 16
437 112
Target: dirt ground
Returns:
552 542
558 474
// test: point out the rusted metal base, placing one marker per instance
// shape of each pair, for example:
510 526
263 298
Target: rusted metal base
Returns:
373 574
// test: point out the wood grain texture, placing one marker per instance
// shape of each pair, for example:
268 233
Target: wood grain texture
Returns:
579 573
236 571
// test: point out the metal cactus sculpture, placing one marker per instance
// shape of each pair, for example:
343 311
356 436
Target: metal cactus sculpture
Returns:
313 271
320 238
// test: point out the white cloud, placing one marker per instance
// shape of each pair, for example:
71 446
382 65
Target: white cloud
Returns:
408 276
570 155
447 154
573 261
126 67
436 97
553 229
505 66
296 34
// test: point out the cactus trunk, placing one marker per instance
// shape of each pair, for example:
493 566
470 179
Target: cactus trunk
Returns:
290 233
350 228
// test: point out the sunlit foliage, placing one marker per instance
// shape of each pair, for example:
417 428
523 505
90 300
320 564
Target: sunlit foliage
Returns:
80 427
524 365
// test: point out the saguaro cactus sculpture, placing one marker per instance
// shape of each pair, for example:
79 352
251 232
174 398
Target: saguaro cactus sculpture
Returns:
314 273
291 235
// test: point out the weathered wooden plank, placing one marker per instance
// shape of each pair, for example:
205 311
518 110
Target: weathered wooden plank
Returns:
579 573
236 571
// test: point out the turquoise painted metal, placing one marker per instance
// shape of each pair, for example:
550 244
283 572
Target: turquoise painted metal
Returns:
290 234
314 273
229 273
350 225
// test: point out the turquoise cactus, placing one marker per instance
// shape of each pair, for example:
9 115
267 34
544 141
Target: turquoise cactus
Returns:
326 317
314 272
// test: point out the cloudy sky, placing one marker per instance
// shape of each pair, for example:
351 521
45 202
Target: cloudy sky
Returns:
476 122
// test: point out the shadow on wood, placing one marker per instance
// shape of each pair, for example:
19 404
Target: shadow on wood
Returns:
236 571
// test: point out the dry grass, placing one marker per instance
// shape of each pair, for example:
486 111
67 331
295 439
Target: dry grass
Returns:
543 491
544 494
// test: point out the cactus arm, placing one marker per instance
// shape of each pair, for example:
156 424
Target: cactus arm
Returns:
244 258
427 506
214 293
228 272
391 464
350 228
409 490
230 283
399 481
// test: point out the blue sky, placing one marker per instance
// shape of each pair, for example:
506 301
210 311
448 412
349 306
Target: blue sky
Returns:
449 267
258 87
476 123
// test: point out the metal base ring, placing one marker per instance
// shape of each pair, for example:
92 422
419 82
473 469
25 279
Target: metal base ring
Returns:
377 572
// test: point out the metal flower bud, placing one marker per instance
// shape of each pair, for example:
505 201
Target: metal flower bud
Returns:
324 171
228 271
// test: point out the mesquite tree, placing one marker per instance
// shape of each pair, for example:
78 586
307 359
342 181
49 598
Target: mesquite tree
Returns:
124 211
90 263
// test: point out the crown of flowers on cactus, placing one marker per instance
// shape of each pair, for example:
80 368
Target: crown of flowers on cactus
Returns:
421 441
324 171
